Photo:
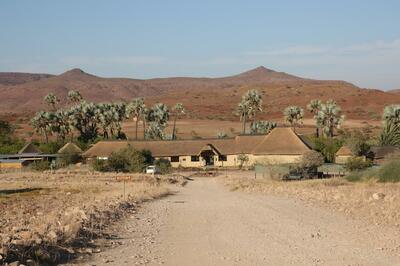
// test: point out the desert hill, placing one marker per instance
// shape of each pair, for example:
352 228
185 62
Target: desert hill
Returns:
14 78
211 98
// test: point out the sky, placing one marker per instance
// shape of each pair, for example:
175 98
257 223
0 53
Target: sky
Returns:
354 40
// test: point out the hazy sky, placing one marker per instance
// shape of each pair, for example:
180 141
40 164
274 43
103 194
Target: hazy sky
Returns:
357 41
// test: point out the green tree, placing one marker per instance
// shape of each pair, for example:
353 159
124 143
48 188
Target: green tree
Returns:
158 117
293 115
243 110
254 102
136 109
262 127
85 118
315 107
330 117
222 135
177 110
390 134
51 100
74 97
42 124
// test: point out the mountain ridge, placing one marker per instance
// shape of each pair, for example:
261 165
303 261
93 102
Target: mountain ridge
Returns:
205 97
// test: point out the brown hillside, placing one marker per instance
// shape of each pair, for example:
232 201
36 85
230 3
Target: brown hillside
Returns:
14 78
212 98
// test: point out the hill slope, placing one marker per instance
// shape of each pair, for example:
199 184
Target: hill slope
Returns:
204 97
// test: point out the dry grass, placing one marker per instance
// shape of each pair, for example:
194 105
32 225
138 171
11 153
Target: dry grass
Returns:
373 202
46 216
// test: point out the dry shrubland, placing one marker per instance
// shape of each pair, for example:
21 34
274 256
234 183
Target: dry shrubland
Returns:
376 203
47 217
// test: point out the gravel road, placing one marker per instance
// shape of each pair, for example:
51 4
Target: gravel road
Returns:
205 224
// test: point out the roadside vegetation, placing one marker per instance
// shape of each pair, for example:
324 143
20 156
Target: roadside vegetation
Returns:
52 218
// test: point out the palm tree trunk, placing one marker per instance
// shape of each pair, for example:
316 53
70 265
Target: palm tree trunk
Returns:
46 137
136 129
244 124
144 128
173 129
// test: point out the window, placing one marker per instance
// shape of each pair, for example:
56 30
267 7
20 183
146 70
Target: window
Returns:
194 158
222 158
174 159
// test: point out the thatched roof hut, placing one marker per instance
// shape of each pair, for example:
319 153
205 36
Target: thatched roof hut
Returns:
70 148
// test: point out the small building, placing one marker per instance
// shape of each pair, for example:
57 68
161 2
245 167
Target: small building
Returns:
343 155
12 164
70 148
379 154
29 153
280 146
29 148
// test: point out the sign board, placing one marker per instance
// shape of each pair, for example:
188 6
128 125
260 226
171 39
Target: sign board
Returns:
123 178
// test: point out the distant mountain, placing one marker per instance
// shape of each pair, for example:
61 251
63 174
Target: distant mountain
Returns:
14 78
395 91
204 97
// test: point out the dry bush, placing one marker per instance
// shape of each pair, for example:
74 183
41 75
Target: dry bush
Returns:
65 210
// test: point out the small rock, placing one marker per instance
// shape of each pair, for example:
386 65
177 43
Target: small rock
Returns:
15 263
378 196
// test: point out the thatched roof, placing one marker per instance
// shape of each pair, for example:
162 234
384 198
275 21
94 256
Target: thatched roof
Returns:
344 151
29 148
281 141
70 148
162 148
380 152
246 143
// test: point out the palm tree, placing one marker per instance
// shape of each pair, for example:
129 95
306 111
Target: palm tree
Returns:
314 107
74 96
51 100
330 117
178 110
158 116
145 117
136 108
42 123
254 101
262 127
293 115
243 110
390 134
61 124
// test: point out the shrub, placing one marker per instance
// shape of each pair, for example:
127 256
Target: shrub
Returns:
148 157
124 160
68 158
327 147
309 163
127 160
100 165
40 165
357 163
50 148
357 141
164 165
390 171
243 159
362 175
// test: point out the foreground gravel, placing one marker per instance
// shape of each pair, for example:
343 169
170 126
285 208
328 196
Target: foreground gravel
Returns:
205 224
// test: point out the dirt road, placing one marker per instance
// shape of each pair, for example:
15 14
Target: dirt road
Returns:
205 224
